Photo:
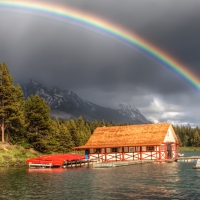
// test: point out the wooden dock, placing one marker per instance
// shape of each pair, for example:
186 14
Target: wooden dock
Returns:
119 163
187 159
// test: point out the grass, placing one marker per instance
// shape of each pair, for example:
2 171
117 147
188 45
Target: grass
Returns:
189 148
12 155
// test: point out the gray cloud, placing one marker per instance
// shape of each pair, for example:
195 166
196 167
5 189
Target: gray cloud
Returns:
102 69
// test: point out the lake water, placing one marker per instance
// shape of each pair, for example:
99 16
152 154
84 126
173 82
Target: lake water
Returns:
175 180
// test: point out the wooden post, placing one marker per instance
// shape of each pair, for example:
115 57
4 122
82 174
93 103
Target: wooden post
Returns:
159 152
166 151
140 153
123 156
105 156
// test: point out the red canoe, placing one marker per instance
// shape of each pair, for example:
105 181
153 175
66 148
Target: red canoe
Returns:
56 160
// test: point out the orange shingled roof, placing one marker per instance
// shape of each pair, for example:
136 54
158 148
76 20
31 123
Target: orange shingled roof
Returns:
131 135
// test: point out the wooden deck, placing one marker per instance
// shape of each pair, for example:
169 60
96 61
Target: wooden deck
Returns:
119 163
187 159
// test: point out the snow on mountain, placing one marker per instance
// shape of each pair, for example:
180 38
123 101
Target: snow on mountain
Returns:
132 112
66 104
55 97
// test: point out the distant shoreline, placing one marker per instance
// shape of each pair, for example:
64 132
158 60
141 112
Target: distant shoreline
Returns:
189 148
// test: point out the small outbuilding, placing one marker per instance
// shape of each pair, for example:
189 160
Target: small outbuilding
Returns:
132 142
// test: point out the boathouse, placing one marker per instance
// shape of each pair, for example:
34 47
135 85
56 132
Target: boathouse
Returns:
132 142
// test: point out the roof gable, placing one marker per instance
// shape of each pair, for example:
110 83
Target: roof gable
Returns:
131 135
170 136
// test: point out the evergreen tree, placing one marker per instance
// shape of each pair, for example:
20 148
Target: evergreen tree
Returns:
71 126
62 136
65 140
196 139
37 115
83 131
107 124
185 136
54 133
112 123
94 125
102 123
11 104
189 132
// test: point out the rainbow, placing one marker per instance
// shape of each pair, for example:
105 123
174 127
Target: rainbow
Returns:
118 32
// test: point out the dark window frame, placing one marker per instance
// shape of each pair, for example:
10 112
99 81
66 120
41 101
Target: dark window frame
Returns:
114 150
98 150
150 148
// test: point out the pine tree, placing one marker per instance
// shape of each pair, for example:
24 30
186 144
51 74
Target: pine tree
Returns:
37 115
112 123
103 123
62 137
17 128
83 131
196 138
94 125
65 139
71 126
11 104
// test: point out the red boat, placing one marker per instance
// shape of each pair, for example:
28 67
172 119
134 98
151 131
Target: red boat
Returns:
56 160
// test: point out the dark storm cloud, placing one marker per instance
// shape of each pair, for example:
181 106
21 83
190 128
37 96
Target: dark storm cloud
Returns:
101 69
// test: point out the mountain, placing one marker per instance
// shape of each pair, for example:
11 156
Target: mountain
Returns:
132 112
66 104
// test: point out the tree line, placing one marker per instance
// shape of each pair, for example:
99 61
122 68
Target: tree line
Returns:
28 123
187 135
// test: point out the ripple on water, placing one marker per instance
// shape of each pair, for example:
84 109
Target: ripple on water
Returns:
144 181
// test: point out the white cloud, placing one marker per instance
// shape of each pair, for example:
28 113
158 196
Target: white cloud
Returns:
161 111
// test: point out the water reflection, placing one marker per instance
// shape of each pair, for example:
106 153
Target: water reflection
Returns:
144 181
45 170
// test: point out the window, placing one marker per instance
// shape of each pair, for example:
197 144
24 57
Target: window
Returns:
107 150
126 149
150 148
91 150
131 149
162 147
137 149
97 150
103 150
144 148
114 149
120 149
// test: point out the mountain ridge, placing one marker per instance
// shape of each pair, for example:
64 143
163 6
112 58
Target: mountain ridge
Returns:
66 104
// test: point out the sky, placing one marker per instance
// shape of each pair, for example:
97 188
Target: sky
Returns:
101 68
